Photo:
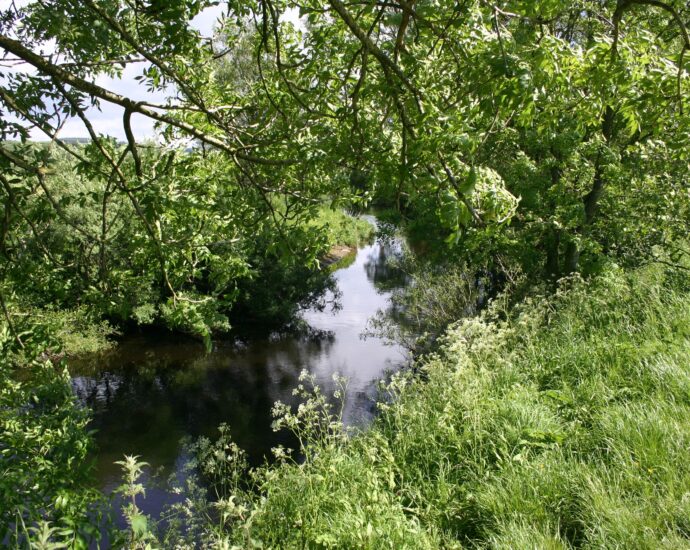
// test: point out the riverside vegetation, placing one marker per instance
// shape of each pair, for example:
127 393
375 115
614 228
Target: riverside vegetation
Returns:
560 423
536 154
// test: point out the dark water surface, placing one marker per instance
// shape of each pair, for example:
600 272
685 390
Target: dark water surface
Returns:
151 392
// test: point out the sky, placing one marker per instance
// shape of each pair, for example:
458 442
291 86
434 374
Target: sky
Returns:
108 119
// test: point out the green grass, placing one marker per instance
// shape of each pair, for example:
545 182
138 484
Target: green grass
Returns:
565 426
341 228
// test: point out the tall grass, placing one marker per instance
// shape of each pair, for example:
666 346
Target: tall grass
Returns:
564 423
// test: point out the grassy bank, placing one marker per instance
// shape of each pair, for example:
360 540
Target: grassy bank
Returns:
561 424
341 228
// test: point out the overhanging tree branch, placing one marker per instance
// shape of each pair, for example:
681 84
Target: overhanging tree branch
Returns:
368 43
44 66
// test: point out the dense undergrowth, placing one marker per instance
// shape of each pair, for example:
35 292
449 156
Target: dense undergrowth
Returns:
561 423
341 228
269 293
280 281
45 488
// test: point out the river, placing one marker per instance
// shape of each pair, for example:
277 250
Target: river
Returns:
150 393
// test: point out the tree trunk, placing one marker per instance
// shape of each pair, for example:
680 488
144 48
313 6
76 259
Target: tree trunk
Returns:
552 265
591 200
572 257
553 239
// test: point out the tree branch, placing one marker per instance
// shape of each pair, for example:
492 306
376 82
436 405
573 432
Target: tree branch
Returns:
17 48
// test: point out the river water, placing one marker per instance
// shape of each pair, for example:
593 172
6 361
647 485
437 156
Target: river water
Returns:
150 393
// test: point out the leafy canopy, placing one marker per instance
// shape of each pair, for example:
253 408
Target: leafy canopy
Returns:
550 133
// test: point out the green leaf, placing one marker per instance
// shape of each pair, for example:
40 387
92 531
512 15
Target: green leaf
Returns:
139 524
464 214
467 186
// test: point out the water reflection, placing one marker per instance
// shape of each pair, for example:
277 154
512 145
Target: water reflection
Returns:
382 269
150 393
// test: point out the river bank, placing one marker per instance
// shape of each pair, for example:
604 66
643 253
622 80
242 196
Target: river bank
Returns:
153 394
561 424
84 330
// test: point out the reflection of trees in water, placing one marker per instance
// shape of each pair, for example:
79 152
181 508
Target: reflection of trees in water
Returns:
327 294
145 402
435 296
328 298
383 265
150 393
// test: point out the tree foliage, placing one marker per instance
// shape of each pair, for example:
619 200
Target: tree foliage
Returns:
44 446
565 120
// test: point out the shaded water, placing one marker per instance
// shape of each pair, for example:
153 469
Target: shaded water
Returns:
151 392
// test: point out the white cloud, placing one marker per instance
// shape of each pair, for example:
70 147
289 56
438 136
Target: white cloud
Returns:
205 22
6 4
108 118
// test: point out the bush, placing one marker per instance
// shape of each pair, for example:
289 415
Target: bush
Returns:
45 492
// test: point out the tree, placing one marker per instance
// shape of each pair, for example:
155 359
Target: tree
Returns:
533 113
